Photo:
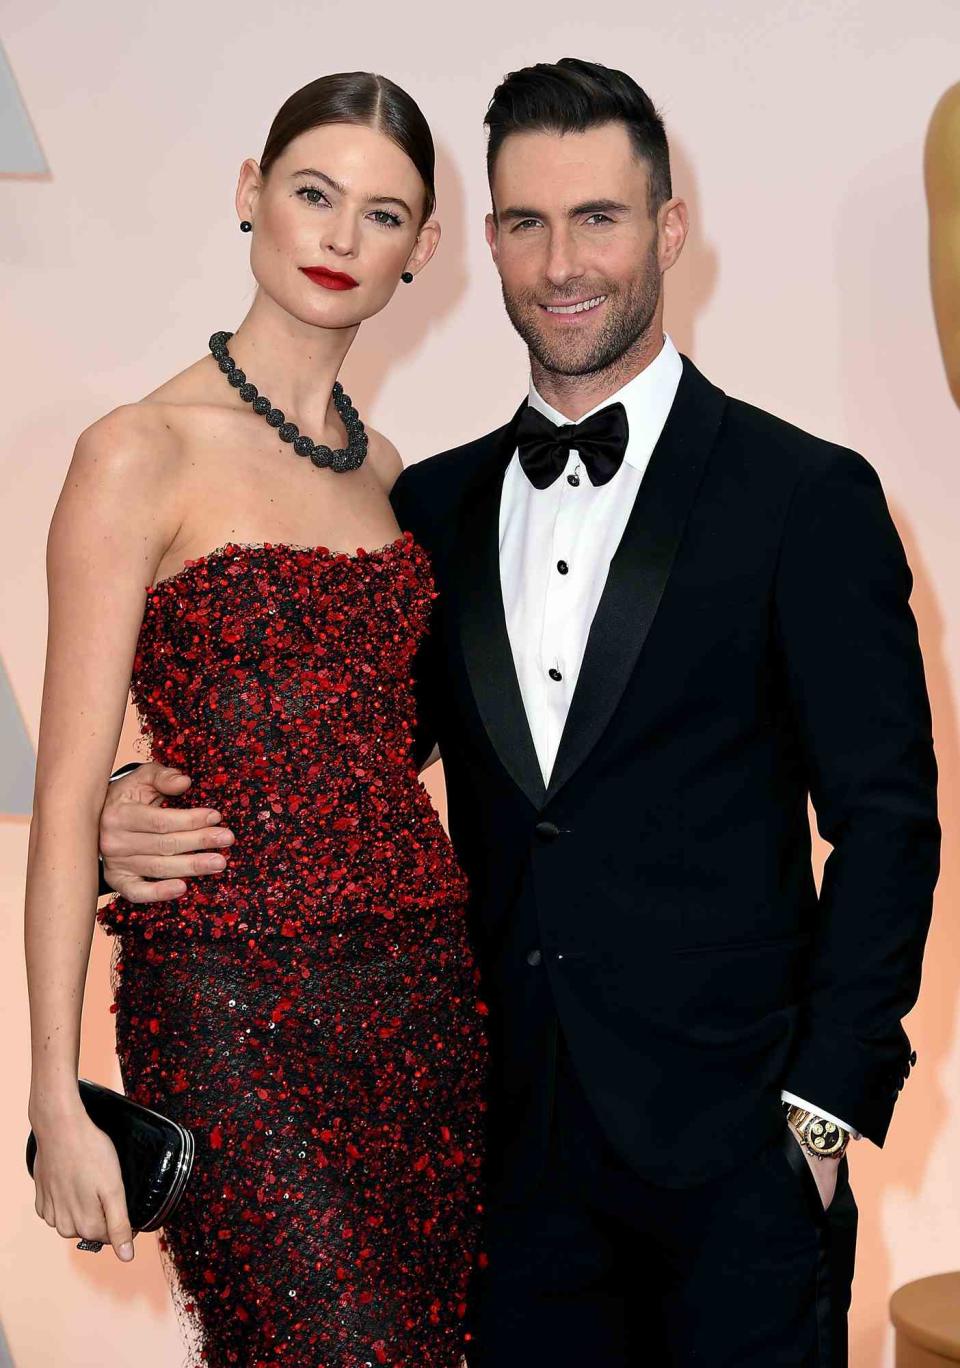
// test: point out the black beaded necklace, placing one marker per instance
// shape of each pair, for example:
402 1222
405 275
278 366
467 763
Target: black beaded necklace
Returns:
349 457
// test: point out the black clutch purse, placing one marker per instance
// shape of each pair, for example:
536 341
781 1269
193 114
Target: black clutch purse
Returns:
155 1153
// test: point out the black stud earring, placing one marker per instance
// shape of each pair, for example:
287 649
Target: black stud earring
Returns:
407 277
245 226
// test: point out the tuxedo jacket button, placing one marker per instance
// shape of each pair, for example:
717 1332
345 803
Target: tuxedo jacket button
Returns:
913 1057
547 831
533 958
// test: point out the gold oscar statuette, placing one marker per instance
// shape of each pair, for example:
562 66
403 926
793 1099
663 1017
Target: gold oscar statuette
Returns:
941 166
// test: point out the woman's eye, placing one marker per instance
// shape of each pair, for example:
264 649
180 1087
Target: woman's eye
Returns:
312 195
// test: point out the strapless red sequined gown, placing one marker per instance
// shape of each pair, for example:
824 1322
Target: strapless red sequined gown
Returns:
311 1013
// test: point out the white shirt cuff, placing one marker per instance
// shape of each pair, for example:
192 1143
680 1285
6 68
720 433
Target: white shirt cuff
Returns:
827 1116
124 769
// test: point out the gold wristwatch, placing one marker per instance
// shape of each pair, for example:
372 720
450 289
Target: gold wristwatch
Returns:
818 1136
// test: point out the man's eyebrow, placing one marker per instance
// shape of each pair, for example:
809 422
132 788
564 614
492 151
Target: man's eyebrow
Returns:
598 206
517 212
341 190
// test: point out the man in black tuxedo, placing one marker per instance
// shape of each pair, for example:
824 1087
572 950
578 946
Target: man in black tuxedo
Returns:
666 619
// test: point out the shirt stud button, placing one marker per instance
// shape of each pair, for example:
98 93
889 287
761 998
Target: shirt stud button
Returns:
556 675
563 567
573 480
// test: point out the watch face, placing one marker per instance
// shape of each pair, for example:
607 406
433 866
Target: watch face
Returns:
825 1137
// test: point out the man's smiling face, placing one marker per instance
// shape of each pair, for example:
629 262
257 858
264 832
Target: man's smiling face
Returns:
579 253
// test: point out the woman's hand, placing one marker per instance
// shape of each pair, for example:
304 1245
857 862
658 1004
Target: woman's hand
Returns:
78 1183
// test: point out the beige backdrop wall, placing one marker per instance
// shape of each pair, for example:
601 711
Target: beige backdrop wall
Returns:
797 142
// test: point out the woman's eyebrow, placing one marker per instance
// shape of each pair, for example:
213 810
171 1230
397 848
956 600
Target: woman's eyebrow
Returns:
321 175
390 199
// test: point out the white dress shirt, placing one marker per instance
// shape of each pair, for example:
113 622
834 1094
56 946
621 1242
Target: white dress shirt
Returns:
549 610
556 545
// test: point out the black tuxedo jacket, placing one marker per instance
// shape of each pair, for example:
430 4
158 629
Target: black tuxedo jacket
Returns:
753 646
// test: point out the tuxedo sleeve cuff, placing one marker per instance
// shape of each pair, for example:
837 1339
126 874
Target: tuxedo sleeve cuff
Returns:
820 1111
851 1076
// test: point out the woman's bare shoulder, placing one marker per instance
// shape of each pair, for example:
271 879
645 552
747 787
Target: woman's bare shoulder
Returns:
384 458
138 441
148 436
121 497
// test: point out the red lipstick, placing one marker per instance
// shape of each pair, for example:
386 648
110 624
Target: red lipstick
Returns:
330 280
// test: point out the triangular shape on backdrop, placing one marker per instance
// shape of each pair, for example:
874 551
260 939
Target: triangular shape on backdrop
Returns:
17 769
20 151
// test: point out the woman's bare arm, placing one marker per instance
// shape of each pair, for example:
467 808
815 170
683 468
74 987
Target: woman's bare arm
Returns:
114 519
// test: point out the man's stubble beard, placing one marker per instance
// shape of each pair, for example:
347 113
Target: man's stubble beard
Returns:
628 321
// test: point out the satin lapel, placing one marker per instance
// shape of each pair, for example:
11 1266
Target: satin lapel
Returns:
483 626
640 568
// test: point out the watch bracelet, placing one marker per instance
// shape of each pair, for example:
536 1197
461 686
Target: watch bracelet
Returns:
801 1121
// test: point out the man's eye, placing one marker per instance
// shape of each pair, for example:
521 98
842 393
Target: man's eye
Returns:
606 218
524 222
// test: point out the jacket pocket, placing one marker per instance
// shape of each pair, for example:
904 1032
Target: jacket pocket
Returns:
801 1170
766 943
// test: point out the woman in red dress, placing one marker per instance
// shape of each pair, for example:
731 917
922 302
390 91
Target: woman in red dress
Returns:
311 1011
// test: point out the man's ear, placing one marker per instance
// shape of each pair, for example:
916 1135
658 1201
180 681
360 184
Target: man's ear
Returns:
249 184
490 232
672 224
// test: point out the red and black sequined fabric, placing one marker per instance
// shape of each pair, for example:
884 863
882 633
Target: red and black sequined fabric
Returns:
311 1012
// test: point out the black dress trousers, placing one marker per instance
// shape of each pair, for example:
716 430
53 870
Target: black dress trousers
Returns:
592 1267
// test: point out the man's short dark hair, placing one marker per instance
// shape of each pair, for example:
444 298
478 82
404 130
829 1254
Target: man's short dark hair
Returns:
571 96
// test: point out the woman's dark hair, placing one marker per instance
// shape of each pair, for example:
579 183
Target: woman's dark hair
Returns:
571 96
357 97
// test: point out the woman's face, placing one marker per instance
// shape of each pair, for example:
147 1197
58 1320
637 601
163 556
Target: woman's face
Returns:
341 198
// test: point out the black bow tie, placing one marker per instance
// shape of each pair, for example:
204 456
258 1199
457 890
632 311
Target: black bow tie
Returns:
544 447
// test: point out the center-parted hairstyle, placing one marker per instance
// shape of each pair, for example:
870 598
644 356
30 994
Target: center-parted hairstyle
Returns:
571 96
363 98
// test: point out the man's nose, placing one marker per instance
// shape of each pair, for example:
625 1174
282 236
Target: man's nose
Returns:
562 261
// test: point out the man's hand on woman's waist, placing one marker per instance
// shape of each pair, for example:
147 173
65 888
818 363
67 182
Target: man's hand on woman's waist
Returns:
149 851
